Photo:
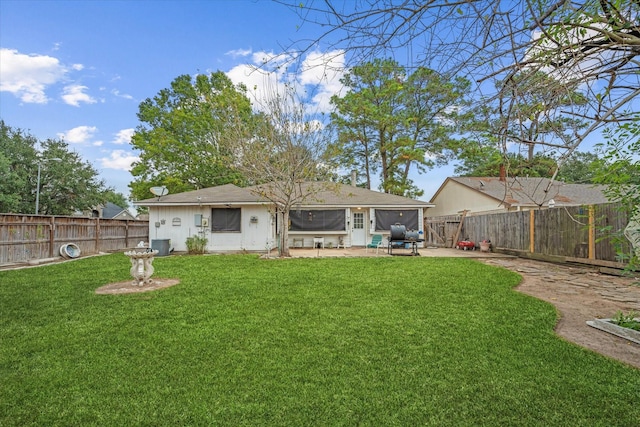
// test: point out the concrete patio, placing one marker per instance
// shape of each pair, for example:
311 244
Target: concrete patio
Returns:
382 252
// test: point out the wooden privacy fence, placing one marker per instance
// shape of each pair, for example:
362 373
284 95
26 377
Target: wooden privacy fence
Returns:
576 233
31 237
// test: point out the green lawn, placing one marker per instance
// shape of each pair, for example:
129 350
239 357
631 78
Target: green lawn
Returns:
302 342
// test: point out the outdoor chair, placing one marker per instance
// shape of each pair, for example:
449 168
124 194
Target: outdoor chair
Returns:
376 242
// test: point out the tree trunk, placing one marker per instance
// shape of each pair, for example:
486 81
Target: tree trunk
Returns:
284 234
367 169
383 161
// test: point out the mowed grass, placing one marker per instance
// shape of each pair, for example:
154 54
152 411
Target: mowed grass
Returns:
301 342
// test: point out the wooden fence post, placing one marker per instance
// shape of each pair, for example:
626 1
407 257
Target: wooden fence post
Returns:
52 235
97 234
532 234
592 232
457 235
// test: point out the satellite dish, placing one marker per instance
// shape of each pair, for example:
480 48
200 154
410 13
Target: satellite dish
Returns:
159 191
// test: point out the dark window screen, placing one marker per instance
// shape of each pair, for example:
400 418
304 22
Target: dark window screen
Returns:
317 220
225 220
386 218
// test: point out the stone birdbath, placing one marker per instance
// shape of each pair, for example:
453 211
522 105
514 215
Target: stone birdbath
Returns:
141 266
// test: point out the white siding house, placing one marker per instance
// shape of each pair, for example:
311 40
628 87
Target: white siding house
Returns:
237 219
481 195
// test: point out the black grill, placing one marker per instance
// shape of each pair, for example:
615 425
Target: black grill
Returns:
398 232
400 237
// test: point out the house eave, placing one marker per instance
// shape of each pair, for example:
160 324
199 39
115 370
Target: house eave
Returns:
305 206
234 203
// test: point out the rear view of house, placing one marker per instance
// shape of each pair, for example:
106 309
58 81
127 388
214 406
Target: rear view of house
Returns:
235 219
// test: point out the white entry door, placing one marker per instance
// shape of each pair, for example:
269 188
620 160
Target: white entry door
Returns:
358 232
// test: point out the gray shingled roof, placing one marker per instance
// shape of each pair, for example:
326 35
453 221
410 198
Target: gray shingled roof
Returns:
517 191
222 194
111 210
333 195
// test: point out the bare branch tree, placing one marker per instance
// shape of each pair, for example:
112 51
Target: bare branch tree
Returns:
590 44
283 154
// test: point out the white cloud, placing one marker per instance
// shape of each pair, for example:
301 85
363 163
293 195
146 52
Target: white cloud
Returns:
78 67
118 159
260 84
124 136
117 93
27 76
79 135
239 53
74 95
323 71
273 61
318 76
322 66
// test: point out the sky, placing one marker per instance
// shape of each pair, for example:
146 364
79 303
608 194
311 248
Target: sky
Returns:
78 70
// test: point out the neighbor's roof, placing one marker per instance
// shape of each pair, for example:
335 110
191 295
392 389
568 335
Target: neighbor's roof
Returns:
515 191
328 194
111 210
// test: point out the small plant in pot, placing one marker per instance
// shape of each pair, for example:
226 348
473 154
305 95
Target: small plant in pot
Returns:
196 244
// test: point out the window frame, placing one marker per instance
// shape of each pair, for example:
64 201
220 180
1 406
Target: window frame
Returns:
232 220
385 218
299 218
